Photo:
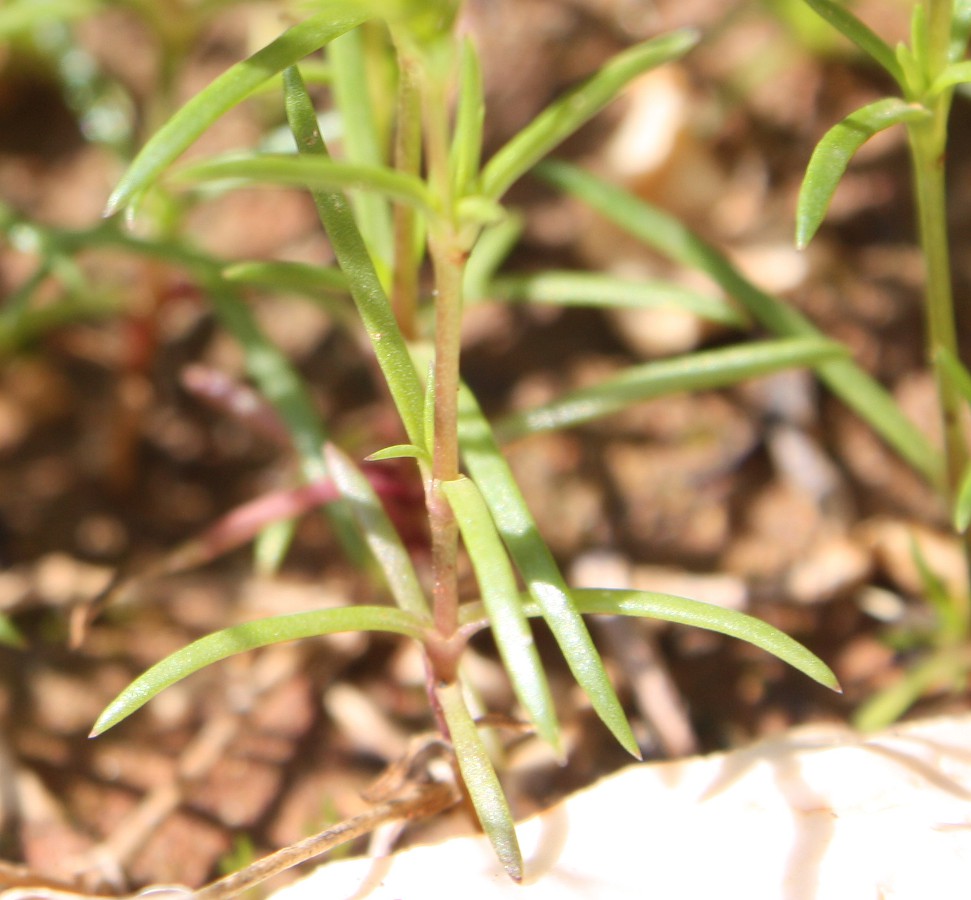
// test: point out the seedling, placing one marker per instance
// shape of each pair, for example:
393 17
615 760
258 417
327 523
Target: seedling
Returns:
383 213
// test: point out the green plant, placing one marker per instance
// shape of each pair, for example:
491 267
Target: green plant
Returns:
927 73
411 182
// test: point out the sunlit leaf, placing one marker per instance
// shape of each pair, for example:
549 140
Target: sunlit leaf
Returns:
369 296
539 570
312 172
248 636
401 451
955 74
712 618
500 595
379 533
288 276
495 243
834 152
561 119
481 780
360 138
691 372
470 114
668 236
229 89
836 13
593 289
683 611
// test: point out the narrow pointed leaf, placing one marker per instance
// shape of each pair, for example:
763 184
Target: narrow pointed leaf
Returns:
352 255
249 636
834 152
288 276
495 243
500 595
229 89
962 503
481 781
539 570
360 138
401 451
312 172
693 372
836 13
710 617
470 114
668 236
558 121
955 74
379 533
593 289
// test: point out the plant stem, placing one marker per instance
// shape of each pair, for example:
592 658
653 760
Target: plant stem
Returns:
927 145
448 258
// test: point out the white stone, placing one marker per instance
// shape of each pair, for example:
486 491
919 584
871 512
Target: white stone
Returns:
819 813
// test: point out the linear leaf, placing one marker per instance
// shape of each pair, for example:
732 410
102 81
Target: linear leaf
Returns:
360 138
954 74
470 113
710 617
481 780
593 289
860 34
500 595
249 636
668 236
401 451
539 570
288 276
683 611
229 89
379 532
691 372
559 120
495 243
312 172
355 261
834 152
